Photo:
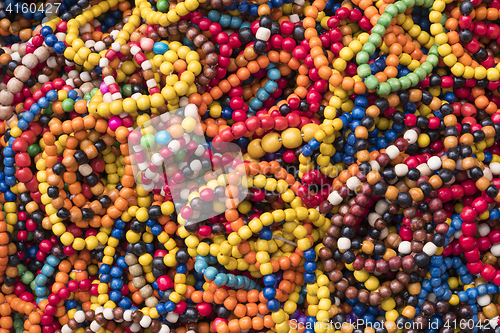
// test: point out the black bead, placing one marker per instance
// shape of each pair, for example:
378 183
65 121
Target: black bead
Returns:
465 151
404 96
476 173
348 257
478 135
434 80
438 239
427 97
446 109
260 46
298 33
92 179
413 174
388 174
105 201
421 259
382 104
404 199
446 175
265 21
453 153
53 192
12 65
303 106
368 122
398 117
285 109
379 188
87 214
379 249
63 213
451 131
458 82
465 36
466 7
492 191
81 157
422 122
100 145
426 188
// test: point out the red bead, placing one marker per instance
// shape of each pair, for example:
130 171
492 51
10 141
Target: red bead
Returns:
475 267
467 243
488 272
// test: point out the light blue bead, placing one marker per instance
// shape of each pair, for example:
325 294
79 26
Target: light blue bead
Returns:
48 270
221 279
211 273
225 20
271 87
263 95
213 16
163 138
53 261
274 74
41 291
41 280
160 48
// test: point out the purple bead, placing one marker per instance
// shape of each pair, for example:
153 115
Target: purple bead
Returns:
302 319
104 88
295 315
114 123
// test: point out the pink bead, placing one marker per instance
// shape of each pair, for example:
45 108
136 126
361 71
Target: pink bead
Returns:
147 44
114 123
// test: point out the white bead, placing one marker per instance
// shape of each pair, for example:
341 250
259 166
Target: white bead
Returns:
94 326
404 247
174 146
148 187
86 28
494 322
16 56
70 82
51 62
353 183
375 166
116 46
381 206
145 321
184 194
495 250
146 65
108 314
103 62
66 329
459 165
127 315
151 83
99 309
483 229
61 37
116 96
109 80
294 18
114 34
199 151
85 77
430 248
191 110
164 329
344 244
157 159
434 163
79 316
136 96
299 2
335 198
172 317
431 297
99 46
107 98
372 217
487 173
384 233
135 327
150 174
392 151
411 136
43 79
457 234
495 168
401 170
484 300
195 165
263 34
90 43
424 170
135 49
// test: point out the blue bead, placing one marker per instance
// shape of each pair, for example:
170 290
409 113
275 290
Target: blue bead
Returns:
235 20
22 124
466 279
307 151
309 277
53 261
274 74
269 293
310 255
163 138
50 40
314 144
358 112
492 289
310 266
125 303
41 280
435 282
231 280
263 95
121 263
426 285
160 48
210 273
271 87
269 280
104 269
225 20
105 278
70 304
361 101
436 261
243 7
41 291
59 47
48 270
254 10
9 161
115 296
213 16
273 305
482 289
116 284
255 103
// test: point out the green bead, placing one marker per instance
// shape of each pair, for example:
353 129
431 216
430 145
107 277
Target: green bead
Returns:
444 19
364 70
428 3
68 105
409 3
401 7
87 97
385 20
419 3
434 51
33 285
421 73
427 66
34 150
391 9
162 6
379 29
414 79
148 141
362 58
18 323
375 39
369 47
27 277
93 91
395 85
127 90
405 82
48 110
384 89
21 269
371 82
180 156
116 144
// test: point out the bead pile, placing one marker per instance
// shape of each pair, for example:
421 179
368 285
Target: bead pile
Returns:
230 166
